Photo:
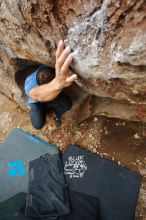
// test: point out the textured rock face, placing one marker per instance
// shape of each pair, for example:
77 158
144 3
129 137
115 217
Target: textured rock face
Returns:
108 41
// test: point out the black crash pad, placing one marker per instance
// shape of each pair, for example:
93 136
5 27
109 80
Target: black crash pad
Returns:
116 187
19 148
12 208
83 207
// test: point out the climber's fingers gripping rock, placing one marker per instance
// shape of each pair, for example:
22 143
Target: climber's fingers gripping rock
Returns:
63 61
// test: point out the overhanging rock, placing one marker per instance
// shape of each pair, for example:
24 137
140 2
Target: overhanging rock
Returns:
108 41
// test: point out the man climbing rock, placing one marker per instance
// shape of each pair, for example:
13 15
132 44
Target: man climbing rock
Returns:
46 86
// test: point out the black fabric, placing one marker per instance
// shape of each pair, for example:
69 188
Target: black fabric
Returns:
60 104
116 187
47 192
38 110
83 207
11 209
38 113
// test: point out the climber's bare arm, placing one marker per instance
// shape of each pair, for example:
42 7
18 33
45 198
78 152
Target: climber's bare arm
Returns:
46 92
51 90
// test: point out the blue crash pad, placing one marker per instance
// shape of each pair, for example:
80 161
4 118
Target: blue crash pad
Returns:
18 149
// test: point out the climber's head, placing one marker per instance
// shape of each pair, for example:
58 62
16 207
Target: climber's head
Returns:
45 75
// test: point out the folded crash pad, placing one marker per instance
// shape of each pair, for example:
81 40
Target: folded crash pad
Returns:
18 149
47 196
116 187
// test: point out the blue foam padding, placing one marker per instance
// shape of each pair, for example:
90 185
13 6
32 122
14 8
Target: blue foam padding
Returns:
18 149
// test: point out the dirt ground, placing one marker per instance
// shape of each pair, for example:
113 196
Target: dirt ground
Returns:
121 141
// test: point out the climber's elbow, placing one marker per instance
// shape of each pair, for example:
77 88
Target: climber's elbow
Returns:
34 95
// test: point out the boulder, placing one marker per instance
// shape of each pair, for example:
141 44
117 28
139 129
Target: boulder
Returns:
108 42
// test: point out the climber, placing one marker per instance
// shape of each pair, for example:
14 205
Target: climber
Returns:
45 86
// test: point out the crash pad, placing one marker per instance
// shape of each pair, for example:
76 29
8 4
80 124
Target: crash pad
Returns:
12 208
116 187
18 149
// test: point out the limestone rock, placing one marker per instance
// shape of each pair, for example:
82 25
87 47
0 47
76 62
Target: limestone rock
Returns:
108 41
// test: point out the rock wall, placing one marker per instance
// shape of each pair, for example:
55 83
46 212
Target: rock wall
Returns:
108 41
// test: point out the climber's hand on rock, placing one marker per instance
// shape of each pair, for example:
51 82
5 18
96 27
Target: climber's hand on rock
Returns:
63 61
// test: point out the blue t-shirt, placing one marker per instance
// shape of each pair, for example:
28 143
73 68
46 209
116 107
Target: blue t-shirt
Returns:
31 82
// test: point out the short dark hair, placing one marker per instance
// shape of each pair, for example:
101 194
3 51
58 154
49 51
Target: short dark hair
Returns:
45 75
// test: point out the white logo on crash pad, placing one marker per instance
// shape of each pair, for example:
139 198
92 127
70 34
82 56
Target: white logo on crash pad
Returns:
75 166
